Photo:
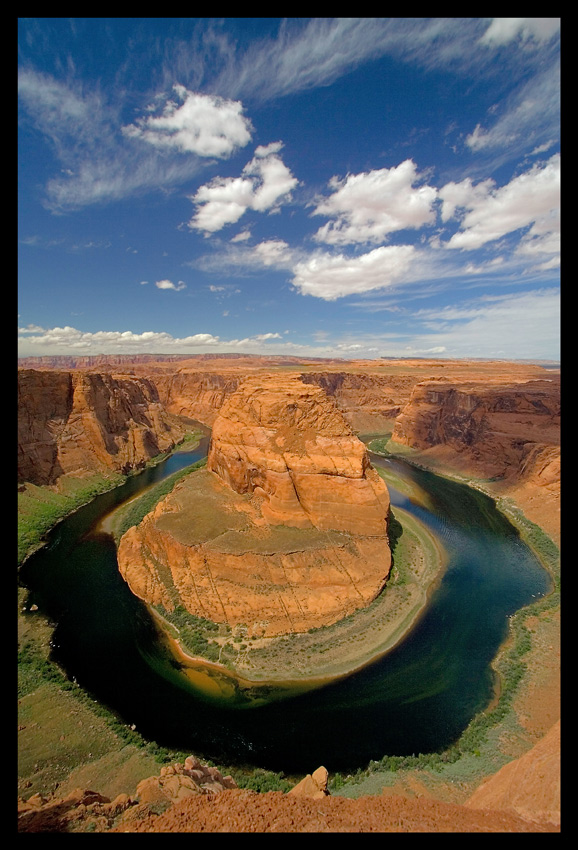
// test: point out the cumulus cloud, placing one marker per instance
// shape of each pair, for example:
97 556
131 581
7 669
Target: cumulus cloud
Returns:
367 207
273 252
168 284
265 183
69 340
487 213
333 276
206 125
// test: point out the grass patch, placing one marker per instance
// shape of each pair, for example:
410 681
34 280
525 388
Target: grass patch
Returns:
40 508
134 512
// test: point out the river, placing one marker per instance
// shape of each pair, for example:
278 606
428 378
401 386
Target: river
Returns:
416 699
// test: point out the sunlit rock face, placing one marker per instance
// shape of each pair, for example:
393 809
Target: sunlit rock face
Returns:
78 423
286 528
288 443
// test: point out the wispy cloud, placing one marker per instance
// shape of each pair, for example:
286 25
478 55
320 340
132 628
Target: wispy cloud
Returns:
100 162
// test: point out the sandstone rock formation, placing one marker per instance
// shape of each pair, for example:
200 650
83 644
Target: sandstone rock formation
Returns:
506 434
528 786
285 530
84 810
177 781
313 785
74 423
288 443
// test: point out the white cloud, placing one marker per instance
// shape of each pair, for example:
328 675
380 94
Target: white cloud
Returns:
68 340
168 284
529 121
274 252
243 236
220 202
334 276
503 30
240 259
371 205
206 125
265 183
31 329
531 199
514 326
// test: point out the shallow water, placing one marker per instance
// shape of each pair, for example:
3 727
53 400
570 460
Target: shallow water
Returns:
417 698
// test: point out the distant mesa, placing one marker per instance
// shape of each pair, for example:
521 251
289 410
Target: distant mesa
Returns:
285 529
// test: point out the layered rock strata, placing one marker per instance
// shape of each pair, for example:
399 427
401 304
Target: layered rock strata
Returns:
78 423
285 530
506 435
288 443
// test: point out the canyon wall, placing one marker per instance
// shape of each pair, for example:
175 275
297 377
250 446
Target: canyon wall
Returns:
495 420
369 402
507 435
196 395
74 423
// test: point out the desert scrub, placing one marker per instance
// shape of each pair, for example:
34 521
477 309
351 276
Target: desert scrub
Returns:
195 634
262 781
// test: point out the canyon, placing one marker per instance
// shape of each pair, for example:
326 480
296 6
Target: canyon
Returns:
271 481
501 420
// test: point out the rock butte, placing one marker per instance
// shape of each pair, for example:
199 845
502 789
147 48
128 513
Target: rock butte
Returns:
285 530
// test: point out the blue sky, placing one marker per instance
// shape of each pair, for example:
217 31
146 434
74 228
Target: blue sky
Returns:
312 187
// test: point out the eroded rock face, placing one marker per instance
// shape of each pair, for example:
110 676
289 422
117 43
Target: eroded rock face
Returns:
73 423
506 434
497 430
285 530
288 443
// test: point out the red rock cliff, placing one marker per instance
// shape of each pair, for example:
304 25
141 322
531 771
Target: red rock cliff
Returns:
288 442
285 530
73 423
508 435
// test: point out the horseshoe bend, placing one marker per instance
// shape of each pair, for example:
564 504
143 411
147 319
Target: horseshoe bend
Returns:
285 530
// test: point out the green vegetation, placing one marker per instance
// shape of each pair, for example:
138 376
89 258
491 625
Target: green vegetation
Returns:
135 511
40 508
379 445
196 635
262 781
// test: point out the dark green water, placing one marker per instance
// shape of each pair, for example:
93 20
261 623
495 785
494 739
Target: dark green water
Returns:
418 698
